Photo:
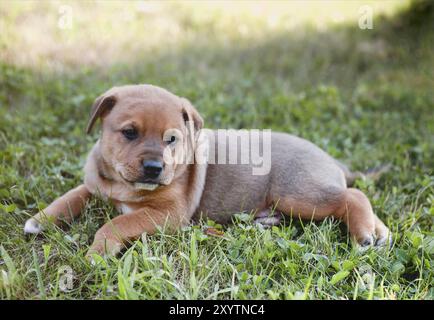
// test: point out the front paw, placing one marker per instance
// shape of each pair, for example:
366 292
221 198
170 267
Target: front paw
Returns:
33 226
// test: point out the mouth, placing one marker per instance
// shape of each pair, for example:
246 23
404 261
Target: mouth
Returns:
146 186
143 185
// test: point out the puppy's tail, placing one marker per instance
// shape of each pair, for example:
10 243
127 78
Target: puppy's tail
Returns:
372 173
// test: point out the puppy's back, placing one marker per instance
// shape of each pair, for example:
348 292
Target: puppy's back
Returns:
297 168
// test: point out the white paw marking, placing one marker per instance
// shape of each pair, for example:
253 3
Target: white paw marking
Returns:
32 226
385 241
124 209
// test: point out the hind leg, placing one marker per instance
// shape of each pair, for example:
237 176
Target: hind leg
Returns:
350 205
356 212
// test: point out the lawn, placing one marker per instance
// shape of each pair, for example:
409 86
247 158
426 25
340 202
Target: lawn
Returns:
365 96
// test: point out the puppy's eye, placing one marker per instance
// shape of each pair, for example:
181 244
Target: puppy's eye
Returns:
171 139
130 133
172 136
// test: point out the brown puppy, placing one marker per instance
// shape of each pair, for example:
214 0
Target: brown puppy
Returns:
160 173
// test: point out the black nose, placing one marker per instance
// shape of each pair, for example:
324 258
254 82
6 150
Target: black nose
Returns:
152 169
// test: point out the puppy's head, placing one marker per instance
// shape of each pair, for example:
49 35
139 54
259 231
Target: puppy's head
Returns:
143 129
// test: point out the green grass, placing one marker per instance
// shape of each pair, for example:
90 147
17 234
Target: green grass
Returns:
365 96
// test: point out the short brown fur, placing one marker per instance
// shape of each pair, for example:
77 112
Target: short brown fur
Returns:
114 169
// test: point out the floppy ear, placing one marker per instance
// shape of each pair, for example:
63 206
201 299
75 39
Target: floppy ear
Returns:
190 114
101 106
193 121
